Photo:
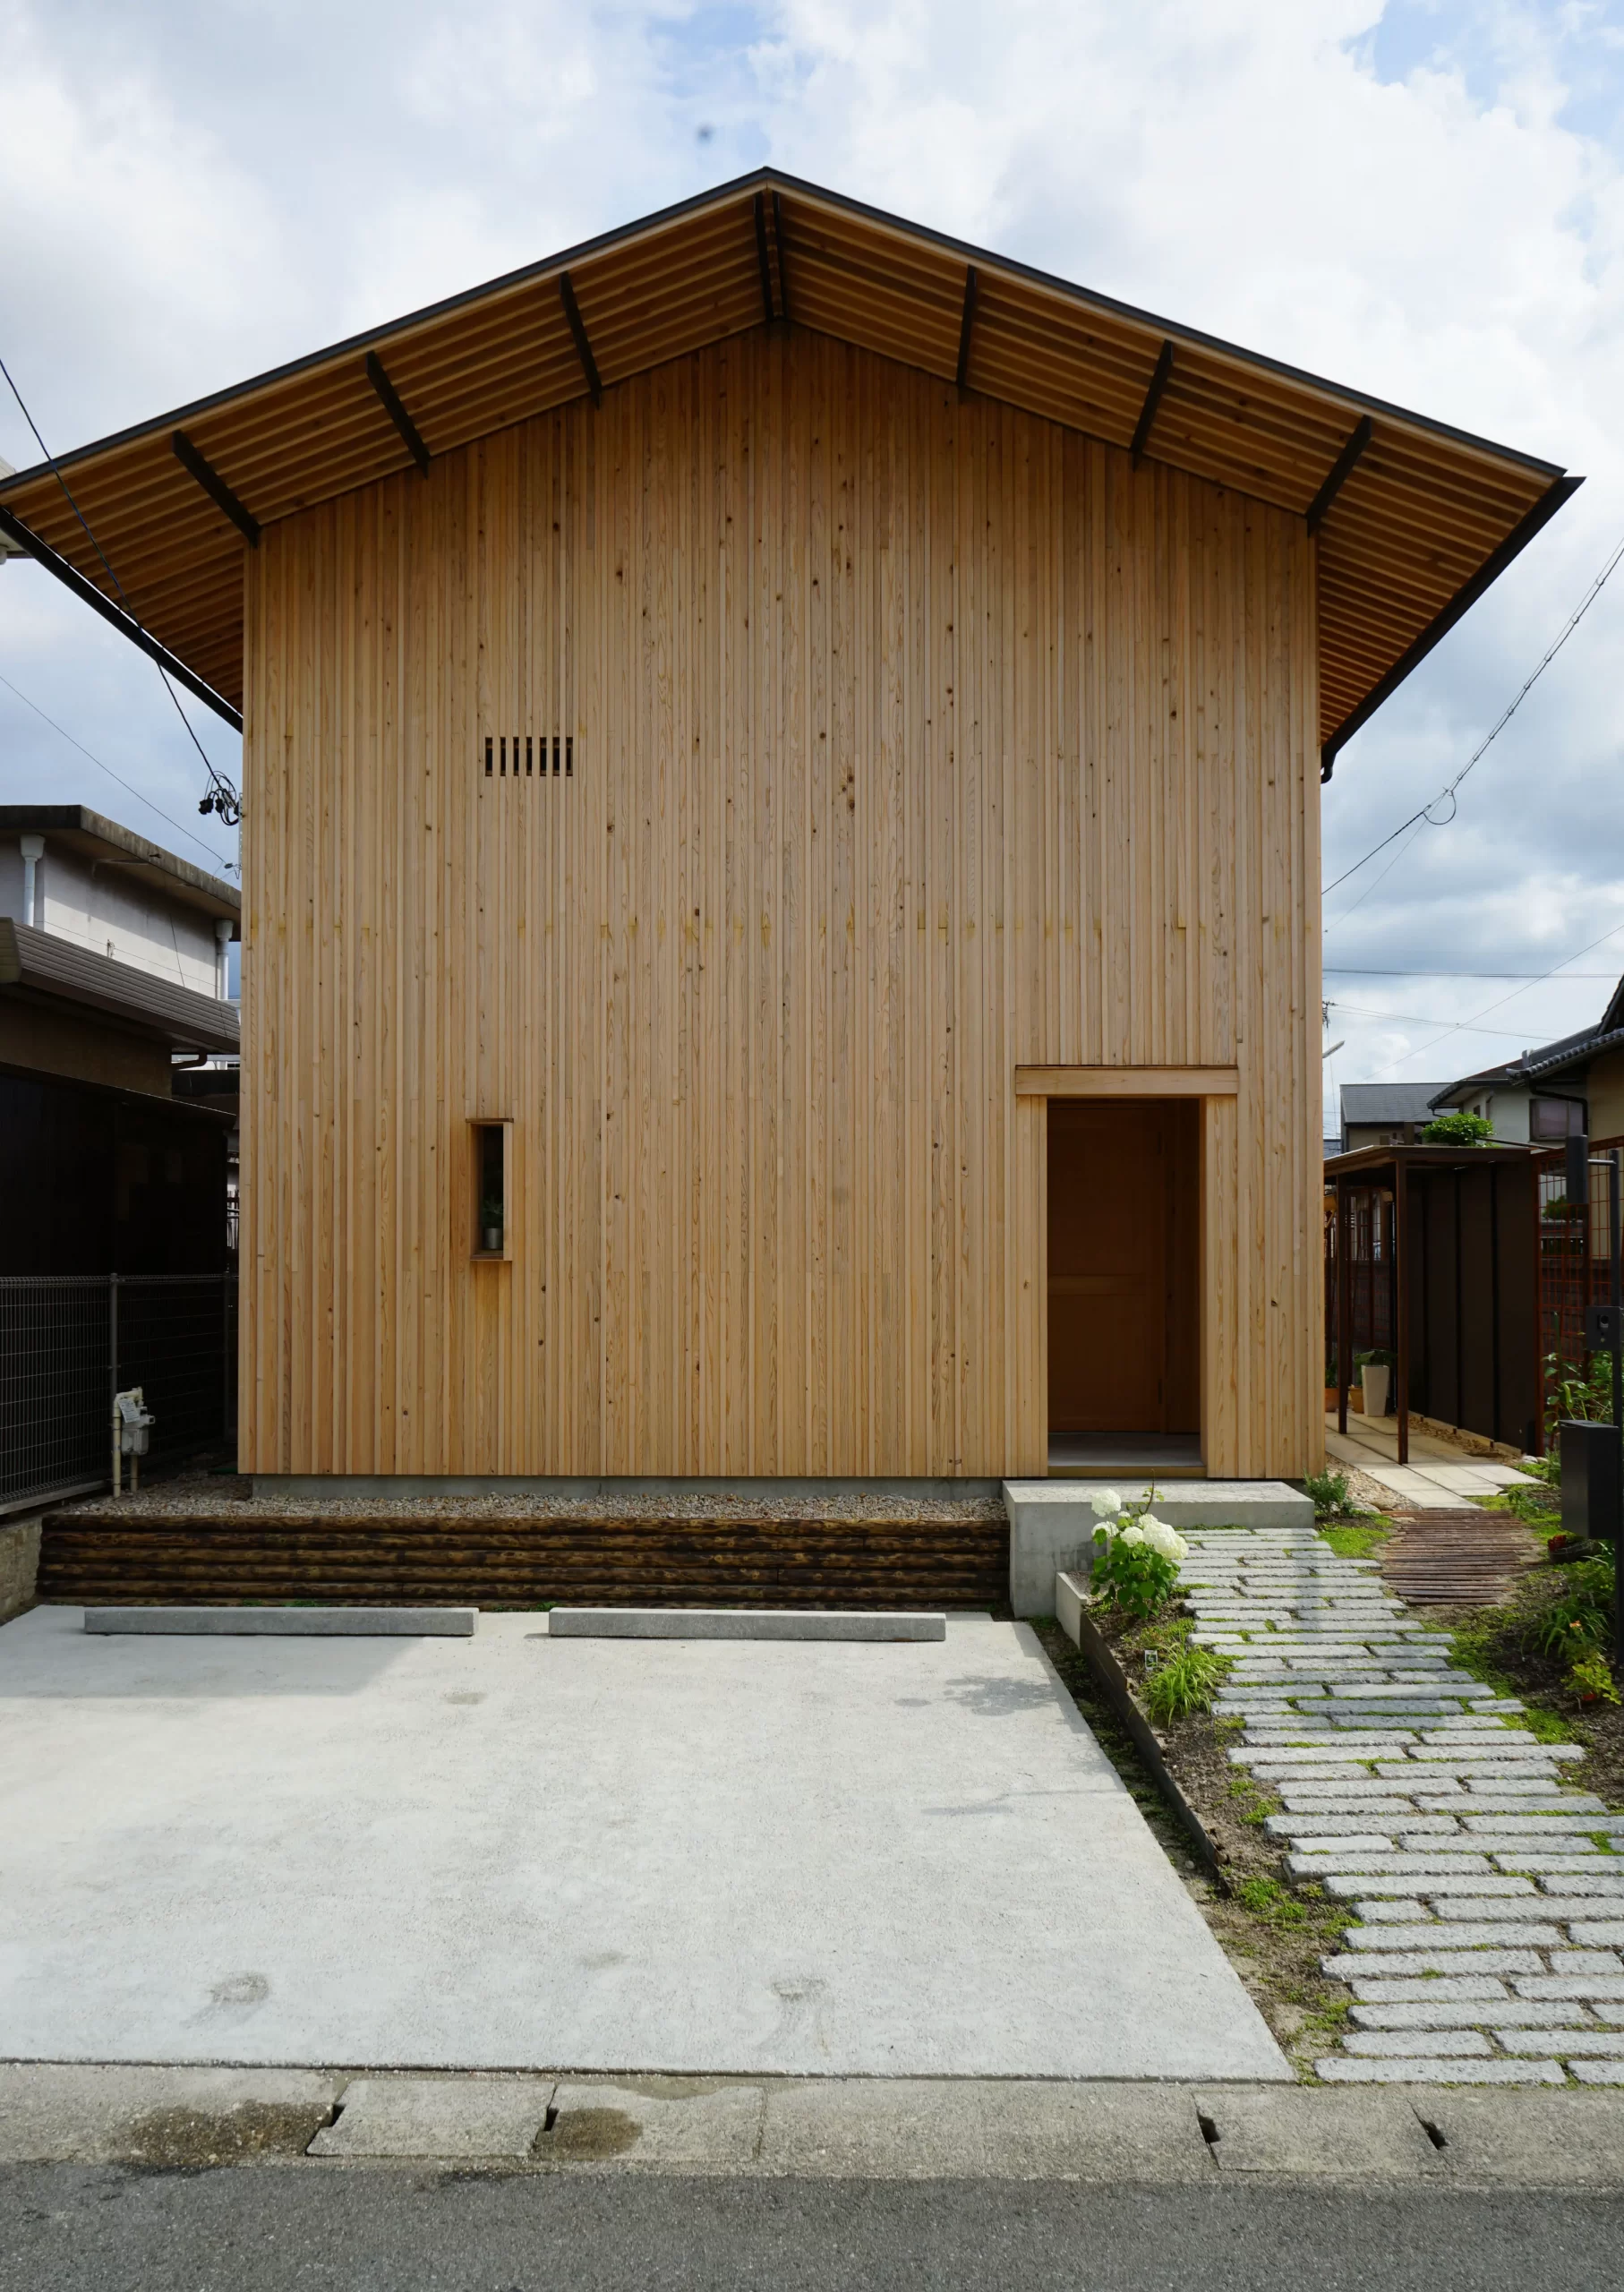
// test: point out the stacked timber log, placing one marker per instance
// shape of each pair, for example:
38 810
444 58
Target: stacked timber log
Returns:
181 1557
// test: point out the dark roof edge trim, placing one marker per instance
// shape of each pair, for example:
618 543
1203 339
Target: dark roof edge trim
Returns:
1459 606
126 623
374 338
1573 1050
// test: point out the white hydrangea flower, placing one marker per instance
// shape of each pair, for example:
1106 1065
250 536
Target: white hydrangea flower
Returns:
1132 1535
1107 1504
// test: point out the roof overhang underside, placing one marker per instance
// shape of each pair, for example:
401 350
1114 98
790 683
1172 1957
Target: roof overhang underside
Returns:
1413 519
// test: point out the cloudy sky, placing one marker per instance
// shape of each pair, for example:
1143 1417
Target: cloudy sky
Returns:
1425 200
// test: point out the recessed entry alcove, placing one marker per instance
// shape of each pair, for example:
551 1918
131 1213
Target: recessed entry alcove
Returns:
1124 1194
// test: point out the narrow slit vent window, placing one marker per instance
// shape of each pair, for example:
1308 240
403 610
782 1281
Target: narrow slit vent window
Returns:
493 1204
543 756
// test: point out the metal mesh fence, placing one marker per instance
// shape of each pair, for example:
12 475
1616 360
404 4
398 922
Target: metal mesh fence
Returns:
68 1342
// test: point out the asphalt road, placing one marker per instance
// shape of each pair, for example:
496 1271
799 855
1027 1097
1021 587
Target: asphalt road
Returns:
275 2229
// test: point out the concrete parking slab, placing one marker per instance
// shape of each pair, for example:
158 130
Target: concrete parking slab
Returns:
516 1852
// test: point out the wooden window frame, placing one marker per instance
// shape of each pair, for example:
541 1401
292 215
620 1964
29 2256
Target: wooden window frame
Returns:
478 1125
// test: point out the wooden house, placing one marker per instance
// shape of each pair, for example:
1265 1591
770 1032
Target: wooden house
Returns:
781 769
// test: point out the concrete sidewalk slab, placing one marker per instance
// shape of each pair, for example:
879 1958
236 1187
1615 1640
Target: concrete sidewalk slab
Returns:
526 1853
54 2111
658 2124
1318 2135
437 2116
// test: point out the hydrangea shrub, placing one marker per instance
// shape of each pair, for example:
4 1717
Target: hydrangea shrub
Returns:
1136 1564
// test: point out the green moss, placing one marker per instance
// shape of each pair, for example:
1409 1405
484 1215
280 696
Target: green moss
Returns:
1356 1539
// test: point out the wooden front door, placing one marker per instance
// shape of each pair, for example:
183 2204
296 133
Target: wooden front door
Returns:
1124 1222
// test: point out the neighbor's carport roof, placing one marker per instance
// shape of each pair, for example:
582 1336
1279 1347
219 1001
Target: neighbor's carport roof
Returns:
1423 517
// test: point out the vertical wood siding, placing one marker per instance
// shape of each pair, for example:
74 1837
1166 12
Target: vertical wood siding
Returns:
914 739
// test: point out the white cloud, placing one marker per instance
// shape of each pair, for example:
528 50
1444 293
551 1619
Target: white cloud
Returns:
1425 200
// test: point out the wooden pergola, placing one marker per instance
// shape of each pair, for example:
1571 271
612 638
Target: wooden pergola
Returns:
1474 1209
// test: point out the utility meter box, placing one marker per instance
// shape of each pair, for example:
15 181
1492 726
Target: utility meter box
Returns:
135 1422
1590 1479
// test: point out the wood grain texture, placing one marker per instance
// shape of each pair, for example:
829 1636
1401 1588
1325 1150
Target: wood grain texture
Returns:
915 740
1127 1081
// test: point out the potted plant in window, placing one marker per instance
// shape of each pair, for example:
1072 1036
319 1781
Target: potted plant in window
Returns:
490 1225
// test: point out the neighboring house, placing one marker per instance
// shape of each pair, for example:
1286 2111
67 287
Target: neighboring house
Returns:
1543 1096
113 968
781 779
1383 1114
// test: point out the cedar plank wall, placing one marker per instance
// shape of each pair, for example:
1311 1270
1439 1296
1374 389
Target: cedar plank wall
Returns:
915 740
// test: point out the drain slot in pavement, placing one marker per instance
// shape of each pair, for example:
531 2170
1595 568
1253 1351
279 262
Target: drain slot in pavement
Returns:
1434 2134
1209 2132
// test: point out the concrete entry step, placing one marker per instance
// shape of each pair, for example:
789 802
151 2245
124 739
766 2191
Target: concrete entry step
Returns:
1051 1523
739 1623
286 1623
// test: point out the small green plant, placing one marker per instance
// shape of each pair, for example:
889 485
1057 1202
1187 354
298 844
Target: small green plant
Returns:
1328 1492
1575 1394
1458 1129
1136 1565
1591 1679
1266 1899
1533 1506
1582 1618
1186 1683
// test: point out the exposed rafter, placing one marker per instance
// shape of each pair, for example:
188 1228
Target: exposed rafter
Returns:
966 324
783 268
215 486
577 327
763 260
1153 398
1460 605
396 413
89 594
1341 470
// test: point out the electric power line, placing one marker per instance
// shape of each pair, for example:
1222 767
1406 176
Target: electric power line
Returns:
108 768
1448 794
1414 1019
222 796
1462 1025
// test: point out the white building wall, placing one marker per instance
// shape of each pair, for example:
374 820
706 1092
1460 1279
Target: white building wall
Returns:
107 909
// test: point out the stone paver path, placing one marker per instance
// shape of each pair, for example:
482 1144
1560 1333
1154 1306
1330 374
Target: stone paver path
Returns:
1485 1894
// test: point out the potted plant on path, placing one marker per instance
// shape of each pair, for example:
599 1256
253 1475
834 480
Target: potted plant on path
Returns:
1375 1377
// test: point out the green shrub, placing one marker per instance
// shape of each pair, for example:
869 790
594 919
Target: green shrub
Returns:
1328 1492
1458 1129
1591 1679
1535 1505
1581 1620
1135 1576
1186 1683
1136 1565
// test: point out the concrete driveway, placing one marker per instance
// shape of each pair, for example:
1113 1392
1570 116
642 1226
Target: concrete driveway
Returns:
518 1852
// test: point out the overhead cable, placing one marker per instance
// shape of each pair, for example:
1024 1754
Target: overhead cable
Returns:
222 797
1447 794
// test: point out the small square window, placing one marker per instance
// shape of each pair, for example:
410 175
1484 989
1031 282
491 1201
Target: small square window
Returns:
1555 1118
492 1189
